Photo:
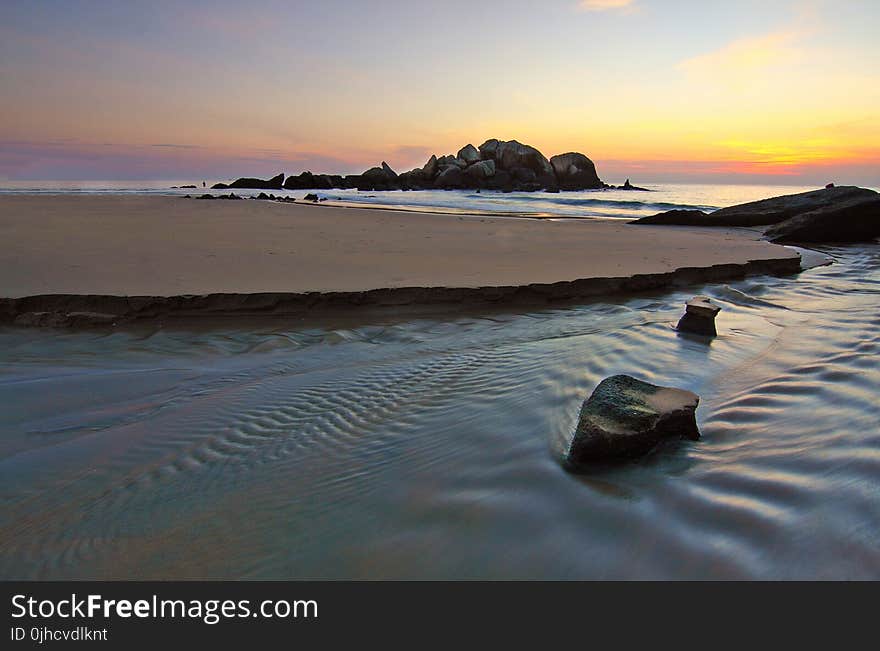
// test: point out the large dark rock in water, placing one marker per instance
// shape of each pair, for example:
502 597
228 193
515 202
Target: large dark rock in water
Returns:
626 417
769 211
778 209
275 183
574 171
853 221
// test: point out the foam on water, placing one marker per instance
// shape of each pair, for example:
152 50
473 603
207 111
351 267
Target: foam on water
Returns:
430 448
607 204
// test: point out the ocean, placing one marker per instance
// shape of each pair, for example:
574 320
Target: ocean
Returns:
430 448
611 204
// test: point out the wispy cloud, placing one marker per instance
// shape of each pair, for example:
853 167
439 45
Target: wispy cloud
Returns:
744 60
606 5
176 146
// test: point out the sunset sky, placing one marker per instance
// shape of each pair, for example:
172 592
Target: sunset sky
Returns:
655 90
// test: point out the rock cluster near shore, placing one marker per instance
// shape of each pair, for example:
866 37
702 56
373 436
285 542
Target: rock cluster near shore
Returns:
503 165
833 214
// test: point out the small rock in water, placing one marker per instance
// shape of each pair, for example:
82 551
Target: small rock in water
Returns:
311 197
626 417
699 317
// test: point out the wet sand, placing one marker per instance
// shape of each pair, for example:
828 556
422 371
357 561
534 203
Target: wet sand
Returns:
430 448
67 250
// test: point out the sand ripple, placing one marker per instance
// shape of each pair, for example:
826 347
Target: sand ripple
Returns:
430 448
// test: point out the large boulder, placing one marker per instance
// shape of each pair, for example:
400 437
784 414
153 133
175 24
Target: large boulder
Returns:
375 174
574 171
481 171
449 178
502 180
378 178
449 159
853 221
626 417
469 154
413 180
523 175
778 209
512 154
309 181
390 173
430 169
489 148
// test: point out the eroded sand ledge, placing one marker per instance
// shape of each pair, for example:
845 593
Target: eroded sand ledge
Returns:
139 257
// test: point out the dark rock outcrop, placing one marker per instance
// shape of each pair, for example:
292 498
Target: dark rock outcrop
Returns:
676 217
778 209
504 165
275 183
415 179
852 221
378 178
768 211
699 317
626 417
629 186
390 173
309 181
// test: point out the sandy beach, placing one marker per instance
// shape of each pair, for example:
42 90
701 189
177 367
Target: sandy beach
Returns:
168 246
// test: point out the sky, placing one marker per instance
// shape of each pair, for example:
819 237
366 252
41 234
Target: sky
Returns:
655 90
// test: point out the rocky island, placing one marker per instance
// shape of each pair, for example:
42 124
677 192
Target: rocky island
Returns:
502 165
